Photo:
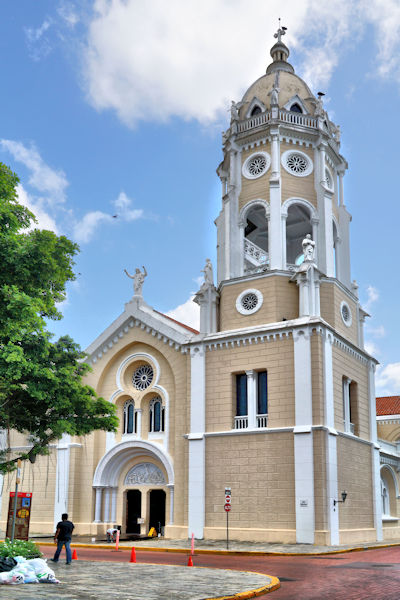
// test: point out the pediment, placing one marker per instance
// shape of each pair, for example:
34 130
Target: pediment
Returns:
139 314
255 102
296 100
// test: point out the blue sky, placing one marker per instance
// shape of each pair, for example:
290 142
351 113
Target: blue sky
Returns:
117 107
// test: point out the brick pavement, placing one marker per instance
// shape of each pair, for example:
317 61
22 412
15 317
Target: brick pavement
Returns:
368 575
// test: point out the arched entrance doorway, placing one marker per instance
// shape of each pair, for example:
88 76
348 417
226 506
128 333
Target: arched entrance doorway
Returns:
157 510
124 481
133 510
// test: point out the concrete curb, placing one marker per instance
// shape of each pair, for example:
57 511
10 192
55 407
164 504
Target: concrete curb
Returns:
265 589
225 552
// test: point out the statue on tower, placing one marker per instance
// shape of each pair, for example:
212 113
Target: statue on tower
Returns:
308 248
138 280
274 93
208 273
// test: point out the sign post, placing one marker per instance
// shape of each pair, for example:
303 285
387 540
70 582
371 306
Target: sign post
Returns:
227 507
17 482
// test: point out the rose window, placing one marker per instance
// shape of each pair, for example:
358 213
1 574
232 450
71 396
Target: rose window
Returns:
257 165
142 377
345 313
249 301
297 163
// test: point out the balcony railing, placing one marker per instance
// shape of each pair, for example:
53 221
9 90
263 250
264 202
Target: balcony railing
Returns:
241 422
285 116
262 420
254 254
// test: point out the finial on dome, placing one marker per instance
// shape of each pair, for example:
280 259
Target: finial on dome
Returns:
280 53
281 31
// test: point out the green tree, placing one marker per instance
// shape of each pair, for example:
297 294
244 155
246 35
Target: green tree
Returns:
41 389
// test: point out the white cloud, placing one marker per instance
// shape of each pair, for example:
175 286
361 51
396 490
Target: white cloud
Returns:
44 220
371 348
43 178
85 229
388 380
372 297
376 332
39 45
123 207
68 13
154 60
187 313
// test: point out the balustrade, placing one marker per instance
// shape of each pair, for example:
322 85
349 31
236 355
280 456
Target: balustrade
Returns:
241 422
283 115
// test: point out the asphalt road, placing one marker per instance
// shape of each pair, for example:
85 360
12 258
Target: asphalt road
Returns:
368 575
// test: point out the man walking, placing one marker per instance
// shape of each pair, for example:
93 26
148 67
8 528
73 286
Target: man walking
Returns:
63 538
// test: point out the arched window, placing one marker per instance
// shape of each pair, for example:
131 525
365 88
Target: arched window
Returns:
156 415
129 417
296 108
256 111
385 498
298 225
256 239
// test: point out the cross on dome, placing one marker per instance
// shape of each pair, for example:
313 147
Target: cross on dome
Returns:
281 31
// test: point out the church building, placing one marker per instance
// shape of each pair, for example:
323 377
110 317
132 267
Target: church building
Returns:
274 398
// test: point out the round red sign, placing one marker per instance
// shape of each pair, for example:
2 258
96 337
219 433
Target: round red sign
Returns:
227 507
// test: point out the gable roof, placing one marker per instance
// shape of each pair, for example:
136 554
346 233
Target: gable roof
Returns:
178 322
388 405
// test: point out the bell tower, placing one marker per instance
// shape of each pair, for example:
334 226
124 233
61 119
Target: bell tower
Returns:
282 178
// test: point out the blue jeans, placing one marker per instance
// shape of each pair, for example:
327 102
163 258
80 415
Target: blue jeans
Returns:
60 544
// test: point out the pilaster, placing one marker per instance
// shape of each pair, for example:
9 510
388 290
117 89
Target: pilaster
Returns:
251 398
62 477
376 476
196 518
275 224
303 439
331 441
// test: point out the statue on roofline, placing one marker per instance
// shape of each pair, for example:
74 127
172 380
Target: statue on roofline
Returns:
138 280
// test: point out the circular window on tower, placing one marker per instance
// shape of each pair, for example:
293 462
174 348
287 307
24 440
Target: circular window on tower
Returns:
142 377
297 163
345 313
249 302
256 165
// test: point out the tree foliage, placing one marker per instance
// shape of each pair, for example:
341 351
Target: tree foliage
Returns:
41 388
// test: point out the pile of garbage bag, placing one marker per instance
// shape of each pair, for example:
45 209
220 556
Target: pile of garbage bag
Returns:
21 570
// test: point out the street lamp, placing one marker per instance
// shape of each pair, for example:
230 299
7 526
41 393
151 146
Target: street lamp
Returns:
344 496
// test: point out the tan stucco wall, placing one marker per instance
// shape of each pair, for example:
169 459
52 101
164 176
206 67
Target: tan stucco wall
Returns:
280 301
346 365
355 476
331 296
260 471
255 188
223 364
40 480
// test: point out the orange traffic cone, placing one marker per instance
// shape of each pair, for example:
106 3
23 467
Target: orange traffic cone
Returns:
133 555
74 555
190 561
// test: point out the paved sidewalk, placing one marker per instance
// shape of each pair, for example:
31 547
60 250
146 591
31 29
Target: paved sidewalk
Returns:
127 581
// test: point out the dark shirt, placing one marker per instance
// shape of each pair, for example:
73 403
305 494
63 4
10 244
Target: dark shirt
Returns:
66 528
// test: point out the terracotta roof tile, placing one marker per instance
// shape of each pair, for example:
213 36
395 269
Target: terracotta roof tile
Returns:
178 322
388 405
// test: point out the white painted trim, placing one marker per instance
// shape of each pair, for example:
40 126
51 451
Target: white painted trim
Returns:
62 478
133 358
390 418
349 322
394 477
110 465
303 202
246 209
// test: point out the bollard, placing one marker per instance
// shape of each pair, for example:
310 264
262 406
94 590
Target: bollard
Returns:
133 555
117 541
192 545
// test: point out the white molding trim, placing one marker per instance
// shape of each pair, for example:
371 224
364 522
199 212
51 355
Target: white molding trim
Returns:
393 474
349 322
255 102
111 464
303 202
391 419
296 100
247 207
